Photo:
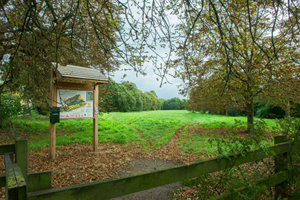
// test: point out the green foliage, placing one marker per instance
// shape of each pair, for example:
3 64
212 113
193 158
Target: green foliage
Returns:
236 112
268 111
290 127
126 97
174 104
43 109
146 101
240 145
160 104
152 98
228 180
261 110
10 106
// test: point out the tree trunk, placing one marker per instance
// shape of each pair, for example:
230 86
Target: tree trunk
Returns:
288 110
250 114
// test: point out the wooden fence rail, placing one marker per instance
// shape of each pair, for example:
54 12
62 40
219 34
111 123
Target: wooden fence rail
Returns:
109 188
7 148
37 181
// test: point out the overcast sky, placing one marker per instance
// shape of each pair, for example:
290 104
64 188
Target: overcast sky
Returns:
149 82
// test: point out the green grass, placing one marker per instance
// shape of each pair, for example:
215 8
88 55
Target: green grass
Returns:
222 121
200 143
156 127
197 143
149 129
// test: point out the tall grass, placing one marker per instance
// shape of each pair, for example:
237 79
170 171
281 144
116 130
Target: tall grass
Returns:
149 129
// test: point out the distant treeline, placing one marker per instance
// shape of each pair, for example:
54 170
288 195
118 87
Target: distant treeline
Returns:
268 110
126 97
261 110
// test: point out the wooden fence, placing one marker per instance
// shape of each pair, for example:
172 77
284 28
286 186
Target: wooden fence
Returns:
38 185
17 182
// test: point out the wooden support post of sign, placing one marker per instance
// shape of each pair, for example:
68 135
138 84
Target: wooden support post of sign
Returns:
95 120
53 92
66 78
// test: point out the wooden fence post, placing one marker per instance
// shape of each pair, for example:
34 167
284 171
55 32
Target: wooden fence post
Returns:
15 185
95 119
21 149
53 95
281 165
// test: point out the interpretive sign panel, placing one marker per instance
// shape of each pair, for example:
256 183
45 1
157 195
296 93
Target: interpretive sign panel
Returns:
75 103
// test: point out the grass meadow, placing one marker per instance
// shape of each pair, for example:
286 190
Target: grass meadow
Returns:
147 130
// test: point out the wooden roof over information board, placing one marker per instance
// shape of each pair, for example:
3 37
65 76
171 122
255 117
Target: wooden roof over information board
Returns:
72 72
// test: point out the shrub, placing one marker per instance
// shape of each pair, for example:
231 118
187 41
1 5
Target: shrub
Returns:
269 111
10 106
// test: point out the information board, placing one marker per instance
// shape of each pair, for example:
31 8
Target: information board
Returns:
75 103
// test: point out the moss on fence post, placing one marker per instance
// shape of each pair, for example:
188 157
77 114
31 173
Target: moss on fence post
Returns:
281 165
21 148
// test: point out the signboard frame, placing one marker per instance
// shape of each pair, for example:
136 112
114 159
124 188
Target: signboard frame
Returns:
56 84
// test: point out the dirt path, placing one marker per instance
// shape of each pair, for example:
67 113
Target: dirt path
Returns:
172 143
144 165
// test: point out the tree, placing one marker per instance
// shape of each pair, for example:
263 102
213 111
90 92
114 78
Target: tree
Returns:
234 67
183 104
87 33
160 104
152 98
124 97
36 33
103 33
173 104
135 94
146 101
205 96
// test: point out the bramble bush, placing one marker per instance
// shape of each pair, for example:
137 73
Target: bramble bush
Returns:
227 181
